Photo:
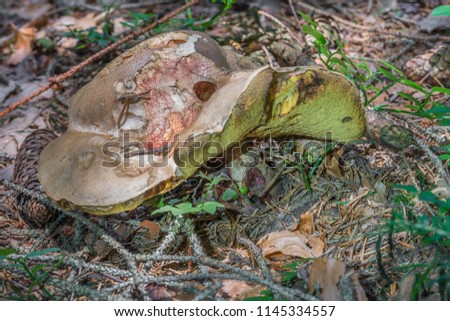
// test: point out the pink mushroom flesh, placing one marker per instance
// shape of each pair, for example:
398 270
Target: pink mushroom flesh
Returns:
173 93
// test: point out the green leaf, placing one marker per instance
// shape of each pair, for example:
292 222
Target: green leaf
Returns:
438 110
408 188
211 207
414 85
446 147
230 195
42 252
38 267
428 196
316 34
441 11
387 74
165 209
243 190
444 122
308 19
409 97
186 206
387 64
4 252
338 61
440 90
218 179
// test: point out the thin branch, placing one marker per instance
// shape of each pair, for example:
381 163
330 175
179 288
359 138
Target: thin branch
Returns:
374 29
56 81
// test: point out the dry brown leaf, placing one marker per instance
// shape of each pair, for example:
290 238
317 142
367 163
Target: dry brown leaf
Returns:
325 274
306 224
67 23
152 228
32 10
23 46
291 244
236 290
159 293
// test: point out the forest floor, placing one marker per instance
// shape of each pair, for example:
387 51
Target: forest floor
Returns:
366 220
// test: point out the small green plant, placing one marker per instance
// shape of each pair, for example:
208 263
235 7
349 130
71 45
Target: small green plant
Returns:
37 273
185 208
202 24
441 11
373 83
212 181
428 231
90 37
138 19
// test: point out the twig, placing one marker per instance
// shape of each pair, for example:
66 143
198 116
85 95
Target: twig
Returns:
77 216
294 37
167 241
57 80
374 29
291 6
238 274
258 256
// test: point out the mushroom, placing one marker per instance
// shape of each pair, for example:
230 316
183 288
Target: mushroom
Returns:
155 114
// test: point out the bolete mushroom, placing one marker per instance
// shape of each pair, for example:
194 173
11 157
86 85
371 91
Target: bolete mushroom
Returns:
159 111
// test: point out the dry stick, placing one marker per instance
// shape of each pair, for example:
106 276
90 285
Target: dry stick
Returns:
282 25
56 80
77 216
372 28
238 274
166 242
129 258
291 6
211 288
77 262
256 251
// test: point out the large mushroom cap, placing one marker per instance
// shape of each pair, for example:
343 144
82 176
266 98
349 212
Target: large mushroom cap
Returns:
141 125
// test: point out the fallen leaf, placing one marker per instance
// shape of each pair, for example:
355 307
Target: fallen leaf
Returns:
236 290
13 133
306 224
23 46
159 293
67 23
324 274
291 244
32 10
152 228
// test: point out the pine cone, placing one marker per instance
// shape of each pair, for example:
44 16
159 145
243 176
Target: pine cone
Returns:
436 62
31 210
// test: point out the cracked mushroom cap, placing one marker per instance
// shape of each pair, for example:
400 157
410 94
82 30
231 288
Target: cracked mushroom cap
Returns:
156 113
